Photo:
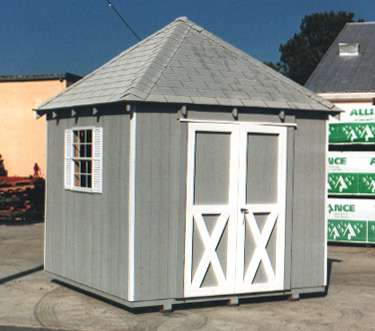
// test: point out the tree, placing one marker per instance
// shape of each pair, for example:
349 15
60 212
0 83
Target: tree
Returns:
302 53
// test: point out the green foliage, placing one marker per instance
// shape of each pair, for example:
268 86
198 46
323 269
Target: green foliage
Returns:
302 53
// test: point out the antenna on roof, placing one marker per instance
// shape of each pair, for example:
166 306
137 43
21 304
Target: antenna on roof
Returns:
110 5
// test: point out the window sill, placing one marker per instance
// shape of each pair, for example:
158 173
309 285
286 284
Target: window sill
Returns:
82 190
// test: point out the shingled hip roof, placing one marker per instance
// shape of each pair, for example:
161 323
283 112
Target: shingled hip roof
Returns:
183 63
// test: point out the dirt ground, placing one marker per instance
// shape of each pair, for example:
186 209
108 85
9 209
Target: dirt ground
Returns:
29 299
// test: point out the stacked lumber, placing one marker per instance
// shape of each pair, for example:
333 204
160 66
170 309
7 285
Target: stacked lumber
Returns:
21 198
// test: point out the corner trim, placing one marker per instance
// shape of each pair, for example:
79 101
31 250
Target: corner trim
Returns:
132 173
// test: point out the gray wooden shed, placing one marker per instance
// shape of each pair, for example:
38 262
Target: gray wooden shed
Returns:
184 170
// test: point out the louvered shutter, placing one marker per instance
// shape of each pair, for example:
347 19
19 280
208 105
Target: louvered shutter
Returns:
97 163
68 159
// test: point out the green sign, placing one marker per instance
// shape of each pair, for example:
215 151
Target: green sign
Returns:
343 183
351 183
363 133
351 220
371 232
366 184
351 162
347 230
355 112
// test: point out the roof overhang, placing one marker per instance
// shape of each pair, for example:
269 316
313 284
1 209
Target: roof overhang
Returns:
349 97
25 78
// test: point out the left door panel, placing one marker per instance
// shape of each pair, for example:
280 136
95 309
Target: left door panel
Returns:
211 223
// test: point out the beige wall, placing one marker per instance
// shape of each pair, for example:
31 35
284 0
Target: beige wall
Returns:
22 136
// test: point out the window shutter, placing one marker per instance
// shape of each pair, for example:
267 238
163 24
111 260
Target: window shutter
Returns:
68 159
97 166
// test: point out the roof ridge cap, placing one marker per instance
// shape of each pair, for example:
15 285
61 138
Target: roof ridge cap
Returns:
359 23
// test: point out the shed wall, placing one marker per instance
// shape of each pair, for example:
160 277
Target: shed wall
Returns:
86 233
160 214
159 211
309 232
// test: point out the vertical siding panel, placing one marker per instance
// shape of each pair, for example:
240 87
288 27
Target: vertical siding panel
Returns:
165 204
308 216
156 225
157 204
319 229
142 206
177 182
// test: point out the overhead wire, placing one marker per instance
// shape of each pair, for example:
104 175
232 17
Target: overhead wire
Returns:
113 7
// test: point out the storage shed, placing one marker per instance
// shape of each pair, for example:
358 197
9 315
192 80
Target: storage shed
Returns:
183 170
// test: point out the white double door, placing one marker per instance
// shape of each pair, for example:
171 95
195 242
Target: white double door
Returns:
236 197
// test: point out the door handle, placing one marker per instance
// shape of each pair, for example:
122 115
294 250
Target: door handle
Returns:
244 211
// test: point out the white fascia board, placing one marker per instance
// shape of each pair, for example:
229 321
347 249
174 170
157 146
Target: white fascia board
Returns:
348 97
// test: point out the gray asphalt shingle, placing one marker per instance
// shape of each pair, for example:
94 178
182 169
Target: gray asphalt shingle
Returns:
337 74
183 63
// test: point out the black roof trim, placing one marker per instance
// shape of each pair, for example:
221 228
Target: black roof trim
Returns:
23 78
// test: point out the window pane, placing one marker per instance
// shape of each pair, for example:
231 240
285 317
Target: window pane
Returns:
89 136
75 139
76 180
75 150
82 150
81 136
89 181
83 181
89 150
76 167
83 169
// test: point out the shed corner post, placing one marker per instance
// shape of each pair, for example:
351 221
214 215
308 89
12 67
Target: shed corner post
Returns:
132 184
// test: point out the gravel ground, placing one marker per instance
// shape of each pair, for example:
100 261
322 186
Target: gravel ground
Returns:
29 299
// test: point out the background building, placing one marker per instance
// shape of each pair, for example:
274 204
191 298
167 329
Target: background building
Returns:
346 77
22 137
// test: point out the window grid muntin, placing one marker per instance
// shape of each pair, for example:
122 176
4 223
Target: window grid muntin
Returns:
83 158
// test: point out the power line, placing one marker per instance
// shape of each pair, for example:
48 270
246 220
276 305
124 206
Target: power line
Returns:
113 7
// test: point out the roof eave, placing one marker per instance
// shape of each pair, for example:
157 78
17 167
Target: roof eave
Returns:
348 96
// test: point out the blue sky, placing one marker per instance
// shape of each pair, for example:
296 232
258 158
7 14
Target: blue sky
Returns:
78 36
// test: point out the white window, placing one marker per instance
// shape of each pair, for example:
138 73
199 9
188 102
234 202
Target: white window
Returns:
83 159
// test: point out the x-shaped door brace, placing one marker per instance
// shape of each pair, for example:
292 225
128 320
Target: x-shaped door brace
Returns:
209 255
260 253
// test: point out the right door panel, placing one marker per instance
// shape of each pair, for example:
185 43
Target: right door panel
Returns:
261 203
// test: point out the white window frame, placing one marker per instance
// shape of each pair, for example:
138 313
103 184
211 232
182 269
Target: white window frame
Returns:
96 158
